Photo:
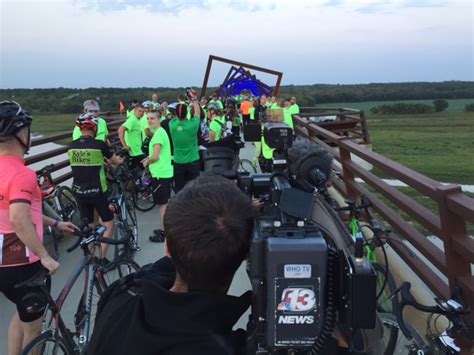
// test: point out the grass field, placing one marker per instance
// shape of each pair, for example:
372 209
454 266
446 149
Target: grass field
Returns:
439 145
53 124
454 105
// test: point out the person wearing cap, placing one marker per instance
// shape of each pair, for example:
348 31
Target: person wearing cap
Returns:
86 157
92 106
130 135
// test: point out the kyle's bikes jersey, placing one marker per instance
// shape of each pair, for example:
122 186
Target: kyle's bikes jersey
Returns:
86 156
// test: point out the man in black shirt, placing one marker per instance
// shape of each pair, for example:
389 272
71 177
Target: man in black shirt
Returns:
86 157
261 109
179 305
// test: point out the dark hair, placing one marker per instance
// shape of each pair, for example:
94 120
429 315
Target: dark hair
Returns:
181 111
208 228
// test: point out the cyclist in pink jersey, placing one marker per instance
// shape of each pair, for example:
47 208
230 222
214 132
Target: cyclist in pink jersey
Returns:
21 226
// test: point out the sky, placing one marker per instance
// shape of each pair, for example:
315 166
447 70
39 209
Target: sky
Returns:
166 43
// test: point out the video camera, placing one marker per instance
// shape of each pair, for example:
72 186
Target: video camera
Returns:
303 279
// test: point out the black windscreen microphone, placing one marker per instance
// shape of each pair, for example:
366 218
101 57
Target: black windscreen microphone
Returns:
310 162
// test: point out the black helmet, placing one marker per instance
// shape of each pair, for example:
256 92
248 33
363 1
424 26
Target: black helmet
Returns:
12 118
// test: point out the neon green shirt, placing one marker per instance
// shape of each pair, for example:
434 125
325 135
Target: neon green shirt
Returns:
133 135
216 127
155 105
252 113
294 108
266 150
102 131
144 126
162 168
287 117
184 136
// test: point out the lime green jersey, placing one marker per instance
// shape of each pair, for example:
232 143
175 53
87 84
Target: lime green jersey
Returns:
133 134
162 168
184 134
216 127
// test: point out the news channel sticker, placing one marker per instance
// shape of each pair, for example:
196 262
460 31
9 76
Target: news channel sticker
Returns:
297 271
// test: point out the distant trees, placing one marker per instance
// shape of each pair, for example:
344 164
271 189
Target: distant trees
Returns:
66 100
469 107
401 108
440 105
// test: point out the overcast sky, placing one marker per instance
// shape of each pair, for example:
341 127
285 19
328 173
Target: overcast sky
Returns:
129 43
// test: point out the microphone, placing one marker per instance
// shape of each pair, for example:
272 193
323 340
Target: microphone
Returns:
310 162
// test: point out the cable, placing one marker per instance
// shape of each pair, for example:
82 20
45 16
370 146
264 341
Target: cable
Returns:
330 318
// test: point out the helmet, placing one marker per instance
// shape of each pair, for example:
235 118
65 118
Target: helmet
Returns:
87 120
172 108
12 118
147 104
213 108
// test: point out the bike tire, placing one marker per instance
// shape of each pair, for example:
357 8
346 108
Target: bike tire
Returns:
68 205
384 304
402 344
46 344
390 333
143 199
118 270
245 165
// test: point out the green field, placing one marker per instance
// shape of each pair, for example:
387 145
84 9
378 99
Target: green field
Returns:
53 124
439 145
454 105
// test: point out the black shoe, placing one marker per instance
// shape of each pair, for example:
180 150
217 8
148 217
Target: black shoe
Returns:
104 264
158 231
157 237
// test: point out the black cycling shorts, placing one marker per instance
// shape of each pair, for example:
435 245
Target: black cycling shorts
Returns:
98 202
12 275
162 190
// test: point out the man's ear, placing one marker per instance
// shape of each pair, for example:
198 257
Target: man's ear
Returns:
166 251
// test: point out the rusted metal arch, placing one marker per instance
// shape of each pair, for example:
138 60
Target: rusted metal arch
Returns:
279 75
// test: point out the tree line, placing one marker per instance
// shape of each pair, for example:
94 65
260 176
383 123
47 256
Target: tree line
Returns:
68 100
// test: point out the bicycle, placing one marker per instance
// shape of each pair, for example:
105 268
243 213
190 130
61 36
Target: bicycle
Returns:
55 337
386 303
136 182
59 203
443 342
125 218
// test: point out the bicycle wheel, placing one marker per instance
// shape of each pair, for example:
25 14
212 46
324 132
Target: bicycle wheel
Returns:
388 342
68 205
384 303
117 271
400 344
246 166
143 198
46 344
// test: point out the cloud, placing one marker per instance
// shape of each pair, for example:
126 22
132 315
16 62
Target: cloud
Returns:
80 43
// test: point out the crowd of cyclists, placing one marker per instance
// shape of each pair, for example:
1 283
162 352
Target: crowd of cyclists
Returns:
167 139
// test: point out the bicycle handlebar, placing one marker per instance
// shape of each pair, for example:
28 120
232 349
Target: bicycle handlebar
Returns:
451 309
87 236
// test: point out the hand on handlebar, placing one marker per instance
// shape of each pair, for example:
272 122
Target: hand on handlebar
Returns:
67 227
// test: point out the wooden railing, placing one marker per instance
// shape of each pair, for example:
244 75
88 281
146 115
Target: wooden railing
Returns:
456 210
341 121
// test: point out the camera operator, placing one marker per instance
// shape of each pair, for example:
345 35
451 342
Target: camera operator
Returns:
180 304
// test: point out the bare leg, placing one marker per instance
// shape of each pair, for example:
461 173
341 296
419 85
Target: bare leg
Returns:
108 234
162 215
21 333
